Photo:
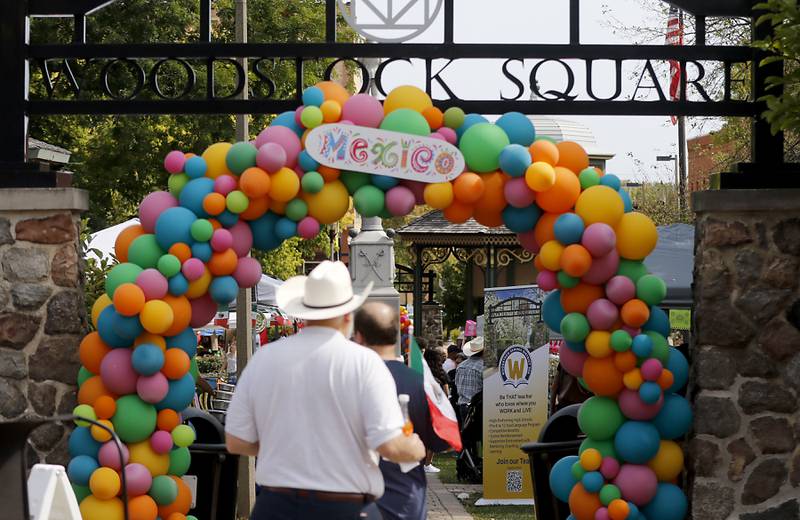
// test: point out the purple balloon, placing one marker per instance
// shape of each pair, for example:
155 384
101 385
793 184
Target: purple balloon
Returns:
161 442
599 239
602 268
173 162
152 389
602 314
572 361
417 188
151 208
242 238
203 310
248 272
193 269
117 373
271 157
153 284
547 280
400 201
225 184
108 455
283 136
518 194
528 241
138 479
363 110
637 483
221 240
634 408
620 289
308 228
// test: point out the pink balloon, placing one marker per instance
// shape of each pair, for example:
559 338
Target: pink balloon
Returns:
299 171
308 228
363 110
283 136
449 134
547 280
602 268
417 188
630 330
345 122
242 238
599 239
151 208
203 310
152 389
297 113
138 479
620 289
221 240
651 369
248 272
637 483
609 468
572 361
634 408
161 441
271 157
193 269
117 373
518 194
108 455
400 201
437 136
225 184
602 514
173 162
153 284
528 241
602 314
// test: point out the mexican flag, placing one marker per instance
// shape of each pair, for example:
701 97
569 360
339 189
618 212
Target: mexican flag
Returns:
443 416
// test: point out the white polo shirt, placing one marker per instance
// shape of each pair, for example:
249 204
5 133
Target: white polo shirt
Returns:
319 405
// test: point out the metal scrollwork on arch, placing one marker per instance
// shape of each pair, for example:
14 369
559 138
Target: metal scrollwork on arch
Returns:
478 256
508 256
435 255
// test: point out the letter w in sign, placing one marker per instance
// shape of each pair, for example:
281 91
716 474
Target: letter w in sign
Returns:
516 369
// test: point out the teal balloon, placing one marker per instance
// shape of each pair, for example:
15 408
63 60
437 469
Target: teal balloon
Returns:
81 492
163 490
296 209
481 146
575 327
384 182
469 121
354 180
81 442
515 159
407 121
633 269
240 157
568 228
312 182
566 281
552 311
180 394
520 220
264 237
144 251
669 504
651 289
600 418
313 96
175 224
518 128
627 203
561 479
285 228
134 420
120 274
677 364
612 181
369 200
637 442
675 417
658 321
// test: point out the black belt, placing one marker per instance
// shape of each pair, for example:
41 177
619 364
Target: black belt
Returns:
324 496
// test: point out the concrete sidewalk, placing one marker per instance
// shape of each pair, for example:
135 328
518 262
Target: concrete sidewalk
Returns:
443 504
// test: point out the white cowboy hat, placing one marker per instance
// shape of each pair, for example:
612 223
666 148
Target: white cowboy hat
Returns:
473 347
325 293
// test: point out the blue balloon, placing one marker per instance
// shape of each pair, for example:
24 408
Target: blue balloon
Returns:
552 311
520 220
105 327
658 321
223 289
668 504
384 182
518 128
575 347
82 443
626 200
180 394
193 193
675 417
561 479
195 167
263 228
178 285
147 359
127 327
677 364
313 96
649 392
175 225
592 481
642 346
285 228
202 251
288 120
612 181
568 228
306 162
80 469
637 442
515 159
185 340
469 120
228 219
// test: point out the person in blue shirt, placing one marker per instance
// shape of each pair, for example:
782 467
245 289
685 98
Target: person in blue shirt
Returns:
376 326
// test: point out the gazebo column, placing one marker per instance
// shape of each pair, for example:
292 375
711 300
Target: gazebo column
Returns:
418 289
469 274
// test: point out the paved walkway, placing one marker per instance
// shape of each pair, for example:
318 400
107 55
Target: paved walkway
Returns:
442 501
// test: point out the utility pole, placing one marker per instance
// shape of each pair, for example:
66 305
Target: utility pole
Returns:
683 155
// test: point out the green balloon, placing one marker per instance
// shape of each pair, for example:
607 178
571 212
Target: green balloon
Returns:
179 461
566 281
176 184
240 157
385 213
296 209
369 200
86 412
81 492
202 230
453 117
194 370
311 117
660 346
312 182
633 269
83 375
144 251
134 420
609 493
120 274
651 289
577 471
589 177
600 418
237 202
606 448
575 327
169 265
481 145
354 180
407 121
163 490
621 341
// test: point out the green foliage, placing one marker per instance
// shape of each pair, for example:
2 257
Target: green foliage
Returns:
450 294
660 203
287 260
211 363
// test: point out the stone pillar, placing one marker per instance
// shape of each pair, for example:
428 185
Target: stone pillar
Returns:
42 310
744 459
432 324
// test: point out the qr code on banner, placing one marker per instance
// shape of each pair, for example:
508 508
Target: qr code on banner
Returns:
514 481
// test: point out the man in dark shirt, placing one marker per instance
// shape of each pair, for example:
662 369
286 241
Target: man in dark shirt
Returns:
376 327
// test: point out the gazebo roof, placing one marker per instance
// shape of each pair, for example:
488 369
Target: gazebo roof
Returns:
432 229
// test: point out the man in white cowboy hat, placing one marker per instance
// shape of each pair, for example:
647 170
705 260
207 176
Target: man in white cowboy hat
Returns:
469 374
316 407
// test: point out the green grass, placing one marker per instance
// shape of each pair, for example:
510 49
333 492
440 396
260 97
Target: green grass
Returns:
447 463
497 512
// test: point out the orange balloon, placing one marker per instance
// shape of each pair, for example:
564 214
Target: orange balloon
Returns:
124 240
128 299
223 263
602 376
580 297
666 379
91 390
176 363
254 182
635 313
543 232
537 263
583 504
562 196
105 406
334 91
543 150
176 516
434 117
458 213
328 174
572 156
142 508
155 339
181 312
625 361
618 509
215 223
488 217
181 251
494 197
92 351
633 379
181 504
277 206
214 203
576 260
255 209
167 420
468 188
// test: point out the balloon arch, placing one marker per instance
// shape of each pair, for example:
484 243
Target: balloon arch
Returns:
189 254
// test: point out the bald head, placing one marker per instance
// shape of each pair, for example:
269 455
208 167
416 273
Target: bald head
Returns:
377 324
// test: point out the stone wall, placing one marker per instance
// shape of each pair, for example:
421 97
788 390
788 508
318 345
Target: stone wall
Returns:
42 311
744 459
432 329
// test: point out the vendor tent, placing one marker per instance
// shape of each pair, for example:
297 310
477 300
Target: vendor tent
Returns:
673 261
265 292
101 244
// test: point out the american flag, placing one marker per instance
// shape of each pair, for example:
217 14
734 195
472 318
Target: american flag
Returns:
674 37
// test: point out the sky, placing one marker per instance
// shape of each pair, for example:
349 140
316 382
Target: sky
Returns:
635 140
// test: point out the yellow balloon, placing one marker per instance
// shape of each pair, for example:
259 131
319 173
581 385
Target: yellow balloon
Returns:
142 453
330 203
154 339
633 379
331 111
104 483
407 96
99 305
668 462
591 459
438 195
540 176
156 316
199 287
99 434
636 236
215 160
598 343
600 204
93 508
284 185
550 253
